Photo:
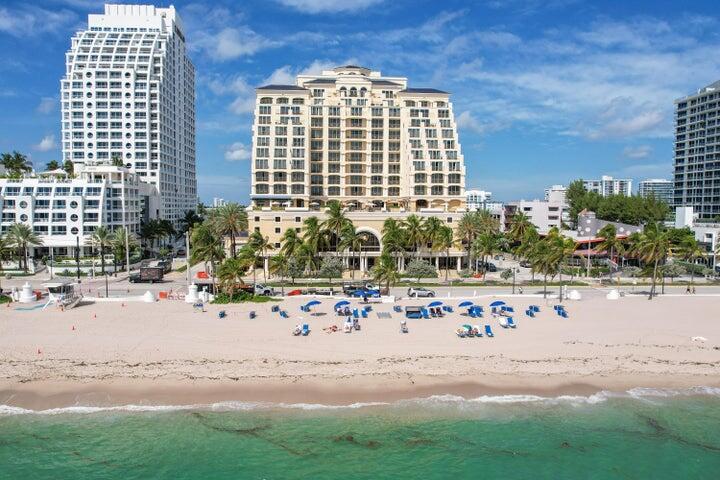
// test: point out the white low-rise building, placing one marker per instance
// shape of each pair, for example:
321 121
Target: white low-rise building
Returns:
544 215
65 211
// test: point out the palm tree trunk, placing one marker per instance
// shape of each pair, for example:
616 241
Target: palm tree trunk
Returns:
545 286
447 263
654 279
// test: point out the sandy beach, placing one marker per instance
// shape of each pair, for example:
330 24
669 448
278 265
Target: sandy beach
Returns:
165 353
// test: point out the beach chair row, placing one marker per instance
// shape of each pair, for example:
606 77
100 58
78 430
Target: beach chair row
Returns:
468 331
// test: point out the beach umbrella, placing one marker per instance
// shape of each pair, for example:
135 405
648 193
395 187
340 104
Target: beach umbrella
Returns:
497 303
436 303
466 303
467 327
341 303
312 303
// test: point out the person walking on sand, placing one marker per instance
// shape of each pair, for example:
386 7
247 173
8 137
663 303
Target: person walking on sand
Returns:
687 290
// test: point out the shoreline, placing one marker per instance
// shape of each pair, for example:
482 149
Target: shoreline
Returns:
339 392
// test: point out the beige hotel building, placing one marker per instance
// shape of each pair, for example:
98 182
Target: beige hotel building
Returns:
381 148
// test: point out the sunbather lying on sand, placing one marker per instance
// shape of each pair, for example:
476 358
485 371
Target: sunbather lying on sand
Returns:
330 329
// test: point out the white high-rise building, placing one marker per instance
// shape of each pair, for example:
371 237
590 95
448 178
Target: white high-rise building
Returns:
128 95
556 193
352 135
607 186
659 188
477 199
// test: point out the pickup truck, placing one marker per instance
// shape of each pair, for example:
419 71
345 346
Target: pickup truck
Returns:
258 289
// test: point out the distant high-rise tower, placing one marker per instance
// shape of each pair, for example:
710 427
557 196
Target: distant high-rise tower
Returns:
128 95
607 186
697 151
352 135
657 187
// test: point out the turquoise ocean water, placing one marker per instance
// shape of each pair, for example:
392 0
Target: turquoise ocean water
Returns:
635 435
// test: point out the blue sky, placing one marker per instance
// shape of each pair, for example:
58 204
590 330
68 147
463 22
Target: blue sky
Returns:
544 91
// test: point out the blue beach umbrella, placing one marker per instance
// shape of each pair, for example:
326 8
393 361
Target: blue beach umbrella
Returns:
436 303
312 303
466 303
497 303
341 303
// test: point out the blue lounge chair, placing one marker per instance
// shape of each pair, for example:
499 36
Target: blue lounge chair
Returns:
564 314
368 308
222 314
355 313
472 313
397 308
448 308
284 314
364 313
511 323
305 330
535 308
530 313
488 331
252 314
424 313
275 308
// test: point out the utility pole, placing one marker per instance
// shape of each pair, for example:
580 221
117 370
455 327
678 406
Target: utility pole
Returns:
187 256
52 259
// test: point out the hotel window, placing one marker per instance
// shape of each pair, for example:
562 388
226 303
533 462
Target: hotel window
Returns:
454 190
420 178
436 190
376 191
394 192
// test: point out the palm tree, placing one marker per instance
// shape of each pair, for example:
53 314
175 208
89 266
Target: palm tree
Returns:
653 246
230 273
6 250
279 267
433 227
561 248
230 220
291 242
15 163
519 224
117 244
165 229
188 221
444 241
260 245
690 251
102 239
149 232
314 238
610 243
385 271
486 245
414 232
544 260
468 229
207 248
352 241
22 238
393 237
335 222
52 165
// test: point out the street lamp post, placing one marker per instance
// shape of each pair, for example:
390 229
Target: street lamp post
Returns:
77 256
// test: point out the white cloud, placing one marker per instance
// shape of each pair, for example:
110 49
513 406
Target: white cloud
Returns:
281 76
29 20
232 42
46 105
640 151
46 144
237 152
286 74
329 6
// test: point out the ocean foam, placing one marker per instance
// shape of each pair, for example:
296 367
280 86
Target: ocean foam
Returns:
434 401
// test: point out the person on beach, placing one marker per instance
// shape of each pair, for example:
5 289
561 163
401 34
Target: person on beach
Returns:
687 290
693 290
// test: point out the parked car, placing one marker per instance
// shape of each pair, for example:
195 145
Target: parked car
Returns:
261 289
488 267
420 292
